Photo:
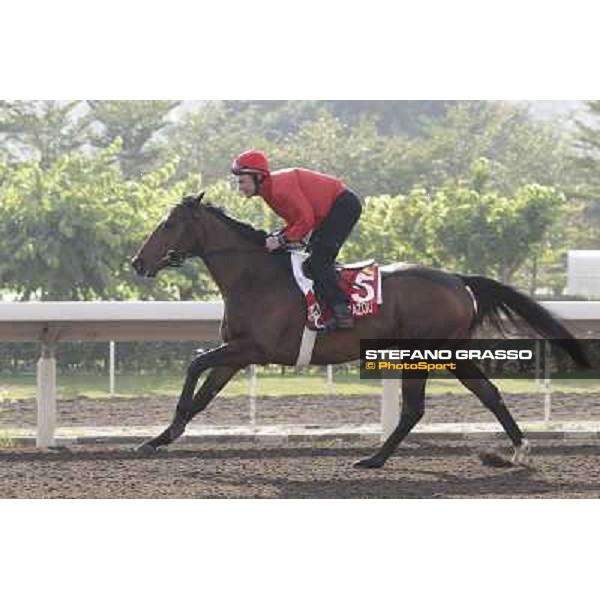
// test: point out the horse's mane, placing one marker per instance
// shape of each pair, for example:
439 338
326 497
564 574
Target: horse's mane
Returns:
249 233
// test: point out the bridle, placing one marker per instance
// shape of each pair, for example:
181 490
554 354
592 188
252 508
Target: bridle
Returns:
175 258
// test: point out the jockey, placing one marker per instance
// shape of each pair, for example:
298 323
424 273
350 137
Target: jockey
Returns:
313 205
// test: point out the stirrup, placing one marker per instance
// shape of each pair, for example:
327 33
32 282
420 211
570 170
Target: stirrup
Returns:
342 317
334 325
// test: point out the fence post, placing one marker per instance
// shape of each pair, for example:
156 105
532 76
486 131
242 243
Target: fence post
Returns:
112 367
547 380
538 352
330 389
252 394
46 389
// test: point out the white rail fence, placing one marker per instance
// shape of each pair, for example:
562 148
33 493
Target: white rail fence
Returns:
52 322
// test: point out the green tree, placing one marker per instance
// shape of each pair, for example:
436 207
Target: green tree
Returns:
485 232
277 119
138 124
69 231
281 118
586 168
43 130
587 157
393 117
462 225
206 140
520 150
366 161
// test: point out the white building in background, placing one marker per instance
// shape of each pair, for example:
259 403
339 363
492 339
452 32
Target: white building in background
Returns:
583 272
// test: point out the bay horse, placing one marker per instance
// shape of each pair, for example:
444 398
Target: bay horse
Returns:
265 314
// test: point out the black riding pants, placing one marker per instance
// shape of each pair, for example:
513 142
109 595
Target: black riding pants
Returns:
326 242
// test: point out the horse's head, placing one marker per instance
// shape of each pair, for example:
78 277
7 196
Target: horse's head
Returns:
171 242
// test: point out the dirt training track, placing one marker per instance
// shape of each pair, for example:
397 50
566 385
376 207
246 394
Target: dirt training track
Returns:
422 467
425 469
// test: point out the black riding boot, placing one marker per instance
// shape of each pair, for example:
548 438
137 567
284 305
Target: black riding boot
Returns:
342 314
327 289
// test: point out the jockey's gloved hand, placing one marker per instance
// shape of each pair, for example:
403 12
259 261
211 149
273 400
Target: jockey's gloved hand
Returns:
272 243
276 241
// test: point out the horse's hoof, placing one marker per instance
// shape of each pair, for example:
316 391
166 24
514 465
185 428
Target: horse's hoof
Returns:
146 449
369 463
522 455
494 459
64 449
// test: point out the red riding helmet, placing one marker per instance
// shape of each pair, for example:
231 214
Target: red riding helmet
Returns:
251 161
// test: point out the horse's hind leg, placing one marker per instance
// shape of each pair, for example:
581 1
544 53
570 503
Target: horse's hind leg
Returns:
413 408
217 379
473 378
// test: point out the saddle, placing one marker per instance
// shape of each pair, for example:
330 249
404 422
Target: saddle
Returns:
361 281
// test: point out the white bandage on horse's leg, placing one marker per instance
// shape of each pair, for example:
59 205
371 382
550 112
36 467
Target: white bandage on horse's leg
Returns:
522 455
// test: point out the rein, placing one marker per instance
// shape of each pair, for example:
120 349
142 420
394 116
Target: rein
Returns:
176 259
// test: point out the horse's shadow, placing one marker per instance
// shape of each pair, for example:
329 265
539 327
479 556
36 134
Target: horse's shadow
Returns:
386 484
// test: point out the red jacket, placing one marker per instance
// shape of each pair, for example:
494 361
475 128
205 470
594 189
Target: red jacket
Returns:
301 197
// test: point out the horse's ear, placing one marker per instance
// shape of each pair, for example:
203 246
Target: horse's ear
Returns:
198 199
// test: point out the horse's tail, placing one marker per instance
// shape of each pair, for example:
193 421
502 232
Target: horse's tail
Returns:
495 300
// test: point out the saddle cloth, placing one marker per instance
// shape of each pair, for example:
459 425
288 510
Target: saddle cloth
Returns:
361 282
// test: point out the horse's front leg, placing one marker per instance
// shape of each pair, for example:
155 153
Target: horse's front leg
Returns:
225 361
